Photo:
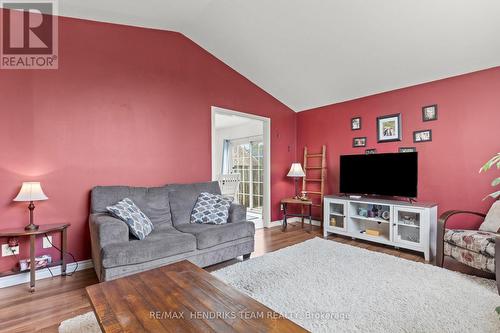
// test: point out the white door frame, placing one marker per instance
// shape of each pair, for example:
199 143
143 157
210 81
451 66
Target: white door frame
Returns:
266 126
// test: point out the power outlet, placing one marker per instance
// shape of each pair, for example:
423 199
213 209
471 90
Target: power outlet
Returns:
9 251
47 242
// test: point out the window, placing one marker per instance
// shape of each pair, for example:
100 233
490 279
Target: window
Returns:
248 160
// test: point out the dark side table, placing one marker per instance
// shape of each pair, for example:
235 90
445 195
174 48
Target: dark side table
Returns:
302 204
32 234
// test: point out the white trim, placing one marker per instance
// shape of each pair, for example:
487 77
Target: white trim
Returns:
292 220
21 278
266 124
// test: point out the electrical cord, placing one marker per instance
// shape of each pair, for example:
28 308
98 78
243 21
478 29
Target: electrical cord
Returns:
62 254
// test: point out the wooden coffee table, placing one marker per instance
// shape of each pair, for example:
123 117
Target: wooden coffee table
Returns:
180 297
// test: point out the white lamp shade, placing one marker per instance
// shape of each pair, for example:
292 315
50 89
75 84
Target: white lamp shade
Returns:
296 171
31 191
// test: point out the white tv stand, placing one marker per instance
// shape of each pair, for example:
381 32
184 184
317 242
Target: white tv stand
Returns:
405 225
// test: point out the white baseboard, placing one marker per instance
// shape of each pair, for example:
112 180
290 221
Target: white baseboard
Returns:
292 220
21 278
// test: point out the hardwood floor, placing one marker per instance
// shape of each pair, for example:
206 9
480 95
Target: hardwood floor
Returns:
60 298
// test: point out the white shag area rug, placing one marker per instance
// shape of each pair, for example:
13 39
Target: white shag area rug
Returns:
325 286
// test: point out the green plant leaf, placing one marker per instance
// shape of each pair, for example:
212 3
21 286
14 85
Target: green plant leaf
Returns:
494 160
495 182
498 309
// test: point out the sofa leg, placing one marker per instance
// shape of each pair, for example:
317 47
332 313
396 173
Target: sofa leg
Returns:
246 256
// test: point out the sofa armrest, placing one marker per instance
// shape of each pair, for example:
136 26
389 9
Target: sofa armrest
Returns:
443 219
237 213
105 230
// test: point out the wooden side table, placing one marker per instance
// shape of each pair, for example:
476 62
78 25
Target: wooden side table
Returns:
32 234
302 203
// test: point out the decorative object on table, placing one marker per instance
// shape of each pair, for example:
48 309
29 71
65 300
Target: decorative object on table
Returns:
359 142
372 232
407 149
303 196
370 151
211 209
430 113
30 192
495 160
408 219
422 136
363 212
40 262
386 215
138 223
356 123
389 128
375 211
296 172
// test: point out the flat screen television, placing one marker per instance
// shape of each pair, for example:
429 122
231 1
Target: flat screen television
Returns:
394 174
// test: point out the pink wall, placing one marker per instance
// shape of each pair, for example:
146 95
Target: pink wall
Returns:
127 106
464 136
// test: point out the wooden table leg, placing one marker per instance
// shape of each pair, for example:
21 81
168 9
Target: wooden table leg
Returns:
302 213
283 228
64 244
310 218
32 263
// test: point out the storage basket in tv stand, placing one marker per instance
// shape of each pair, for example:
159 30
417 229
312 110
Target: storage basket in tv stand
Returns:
403 225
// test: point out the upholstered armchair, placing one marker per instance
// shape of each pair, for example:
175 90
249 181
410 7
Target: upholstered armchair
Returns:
479 249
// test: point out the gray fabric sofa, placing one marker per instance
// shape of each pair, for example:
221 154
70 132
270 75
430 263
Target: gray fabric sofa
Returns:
115 253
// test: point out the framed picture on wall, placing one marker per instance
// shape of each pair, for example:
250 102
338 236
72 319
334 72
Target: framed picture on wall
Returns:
389 128
359 142
422 136
356 123
430 112
370 151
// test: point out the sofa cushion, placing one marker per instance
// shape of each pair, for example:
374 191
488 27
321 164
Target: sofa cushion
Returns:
470 258
492 220
475 241
138 223
162 242
153 201
208 235
183 198
211 208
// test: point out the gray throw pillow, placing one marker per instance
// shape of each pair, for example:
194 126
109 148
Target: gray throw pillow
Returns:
492 221
138 223
211 208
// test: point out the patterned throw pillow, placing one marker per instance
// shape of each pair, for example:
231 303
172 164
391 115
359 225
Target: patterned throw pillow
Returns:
138 223
211 208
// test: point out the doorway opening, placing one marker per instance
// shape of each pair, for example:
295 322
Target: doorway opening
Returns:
241 161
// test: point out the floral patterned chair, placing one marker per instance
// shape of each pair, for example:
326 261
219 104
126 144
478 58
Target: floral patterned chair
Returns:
479 249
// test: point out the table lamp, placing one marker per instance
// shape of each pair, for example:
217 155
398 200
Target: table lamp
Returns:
296 172
31 191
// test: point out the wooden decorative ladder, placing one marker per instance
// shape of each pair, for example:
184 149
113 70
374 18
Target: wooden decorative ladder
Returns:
314 181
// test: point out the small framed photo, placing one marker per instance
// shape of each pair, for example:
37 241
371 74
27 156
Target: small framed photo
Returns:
356 123
407 149
370 151
389 128
422 136
430 112
359 142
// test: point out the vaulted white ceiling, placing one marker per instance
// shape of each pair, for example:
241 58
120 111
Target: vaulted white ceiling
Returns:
309 53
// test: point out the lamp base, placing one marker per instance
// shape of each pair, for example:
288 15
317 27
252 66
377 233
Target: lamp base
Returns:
31 227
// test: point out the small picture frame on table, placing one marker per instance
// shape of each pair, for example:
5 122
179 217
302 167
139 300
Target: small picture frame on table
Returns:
356 123
422 136
430 112
359 142
407 149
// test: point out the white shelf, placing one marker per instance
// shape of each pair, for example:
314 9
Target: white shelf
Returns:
373 219
409 225
337 214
